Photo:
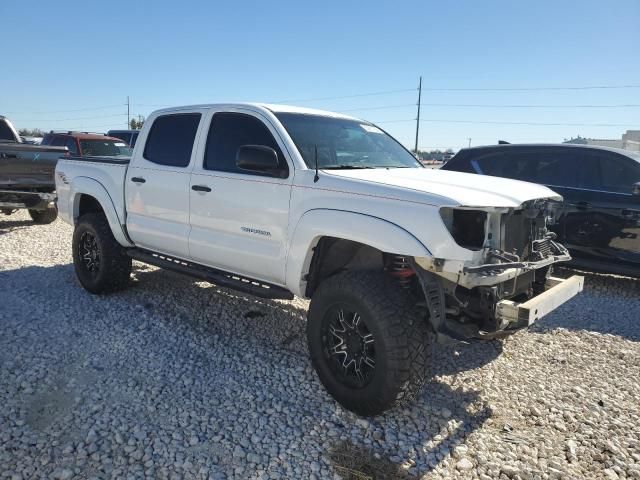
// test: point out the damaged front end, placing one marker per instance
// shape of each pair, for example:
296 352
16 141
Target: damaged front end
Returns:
506 284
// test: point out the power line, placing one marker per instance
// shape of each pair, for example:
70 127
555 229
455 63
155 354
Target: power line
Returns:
78 118
386 107
317 99
150 105
528 89
508 123
385 92
67 111
418 117
491 89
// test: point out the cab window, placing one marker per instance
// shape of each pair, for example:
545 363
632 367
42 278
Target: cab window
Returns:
230 131
72 146
171 138
618 174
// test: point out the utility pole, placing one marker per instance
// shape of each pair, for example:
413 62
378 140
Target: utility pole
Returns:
128 119
418 118
469 141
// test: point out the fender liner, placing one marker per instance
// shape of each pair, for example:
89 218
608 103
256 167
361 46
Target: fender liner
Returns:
93 188
358 227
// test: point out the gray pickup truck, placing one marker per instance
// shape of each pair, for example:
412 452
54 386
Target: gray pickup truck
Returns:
27 175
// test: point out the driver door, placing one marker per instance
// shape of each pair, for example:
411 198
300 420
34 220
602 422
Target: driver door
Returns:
239 219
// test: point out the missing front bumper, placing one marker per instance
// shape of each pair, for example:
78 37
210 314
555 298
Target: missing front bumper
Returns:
558 291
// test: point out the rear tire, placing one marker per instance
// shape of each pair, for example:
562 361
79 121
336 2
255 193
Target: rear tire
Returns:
101 263
43 217
366 320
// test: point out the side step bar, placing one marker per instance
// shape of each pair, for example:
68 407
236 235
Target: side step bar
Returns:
219 277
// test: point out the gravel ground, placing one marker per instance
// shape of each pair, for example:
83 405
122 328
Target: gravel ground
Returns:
180 379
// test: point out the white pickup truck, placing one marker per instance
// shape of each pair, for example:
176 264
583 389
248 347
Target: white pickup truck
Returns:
280 201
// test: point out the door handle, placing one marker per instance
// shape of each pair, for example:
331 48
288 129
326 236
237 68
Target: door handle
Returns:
200 188
138 180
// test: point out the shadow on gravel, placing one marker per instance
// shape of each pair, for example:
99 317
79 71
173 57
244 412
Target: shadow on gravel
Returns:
460 357
442 418
608 305
11 225
352 462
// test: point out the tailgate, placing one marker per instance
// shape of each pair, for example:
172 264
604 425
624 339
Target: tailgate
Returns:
28 166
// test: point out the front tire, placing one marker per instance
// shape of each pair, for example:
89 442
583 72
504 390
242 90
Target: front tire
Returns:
101 263
369 347
44 217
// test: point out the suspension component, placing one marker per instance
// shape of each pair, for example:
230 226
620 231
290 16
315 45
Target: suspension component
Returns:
399 267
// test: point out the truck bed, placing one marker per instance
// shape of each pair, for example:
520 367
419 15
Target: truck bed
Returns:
106 174
28 167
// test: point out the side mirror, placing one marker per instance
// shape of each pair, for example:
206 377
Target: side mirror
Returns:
635 190
259 159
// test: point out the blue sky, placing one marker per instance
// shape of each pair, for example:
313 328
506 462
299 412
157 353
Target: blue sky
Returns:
88 56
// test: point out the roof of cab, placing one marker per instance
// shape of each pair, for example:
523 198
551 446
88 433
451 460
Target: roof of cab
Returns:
272 107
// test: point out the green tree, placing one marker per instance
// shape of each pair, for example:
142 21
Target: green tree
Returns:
31 132
136 124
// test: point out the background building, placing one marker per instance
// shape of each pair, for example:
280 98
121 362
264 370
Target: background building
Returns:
629 141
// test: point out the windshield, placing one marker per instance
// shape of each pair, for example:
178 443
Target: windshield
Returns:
104 148
344 143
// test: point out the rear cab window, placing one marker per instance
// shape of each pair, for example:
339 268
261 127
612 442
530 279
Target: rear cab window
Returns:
104 148
58 141
171 139
72 145
125 136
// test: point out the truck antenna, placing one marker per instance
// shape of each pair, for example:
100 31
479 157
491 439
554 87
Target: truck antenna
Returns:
315 148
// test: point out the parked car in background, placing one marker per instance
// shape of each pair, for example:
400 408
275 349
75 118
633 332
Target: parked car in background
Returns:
279 201
599 219
88 144
26 175
129 136
31 140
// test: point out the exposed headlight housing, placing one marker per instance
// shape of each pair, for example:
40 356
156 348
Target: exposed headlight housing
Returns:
466 226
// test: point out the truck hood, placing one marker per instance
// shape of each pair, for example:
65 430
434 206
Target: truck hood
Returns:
463 189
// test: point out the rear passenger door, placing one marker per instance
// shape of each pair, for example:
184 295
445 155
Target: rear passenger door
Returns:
239 219
157 184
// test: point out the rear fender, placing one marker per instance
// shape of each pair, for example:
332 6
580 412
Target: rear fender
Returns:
88 186
368 230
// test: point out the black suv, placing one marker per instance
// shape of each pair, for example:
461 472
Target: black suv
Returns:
599 220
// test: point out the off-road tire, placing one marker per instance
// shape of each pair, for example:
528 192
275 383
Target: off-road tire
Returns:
43 217
114 269
403 341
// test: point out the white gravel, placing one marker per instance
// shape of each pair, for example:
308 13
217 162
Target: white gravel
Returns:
180 379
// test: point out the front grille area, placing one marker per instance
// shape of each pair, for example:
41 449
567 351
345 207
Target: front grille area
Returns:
525 236
542 248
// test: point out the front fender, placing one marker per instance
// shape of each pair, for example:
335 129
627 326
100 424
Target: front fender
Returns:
93 188
366 229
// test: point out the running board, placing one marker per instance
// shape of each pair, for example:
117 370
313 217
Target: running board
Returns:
212 275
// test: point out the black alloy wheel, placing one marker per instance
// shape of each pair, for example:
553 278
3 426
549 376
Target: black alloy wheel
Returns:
349 346
101 263
90 253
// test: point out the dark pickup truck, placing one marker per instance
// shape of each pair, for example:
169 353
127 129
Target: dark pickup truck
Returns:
27 175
